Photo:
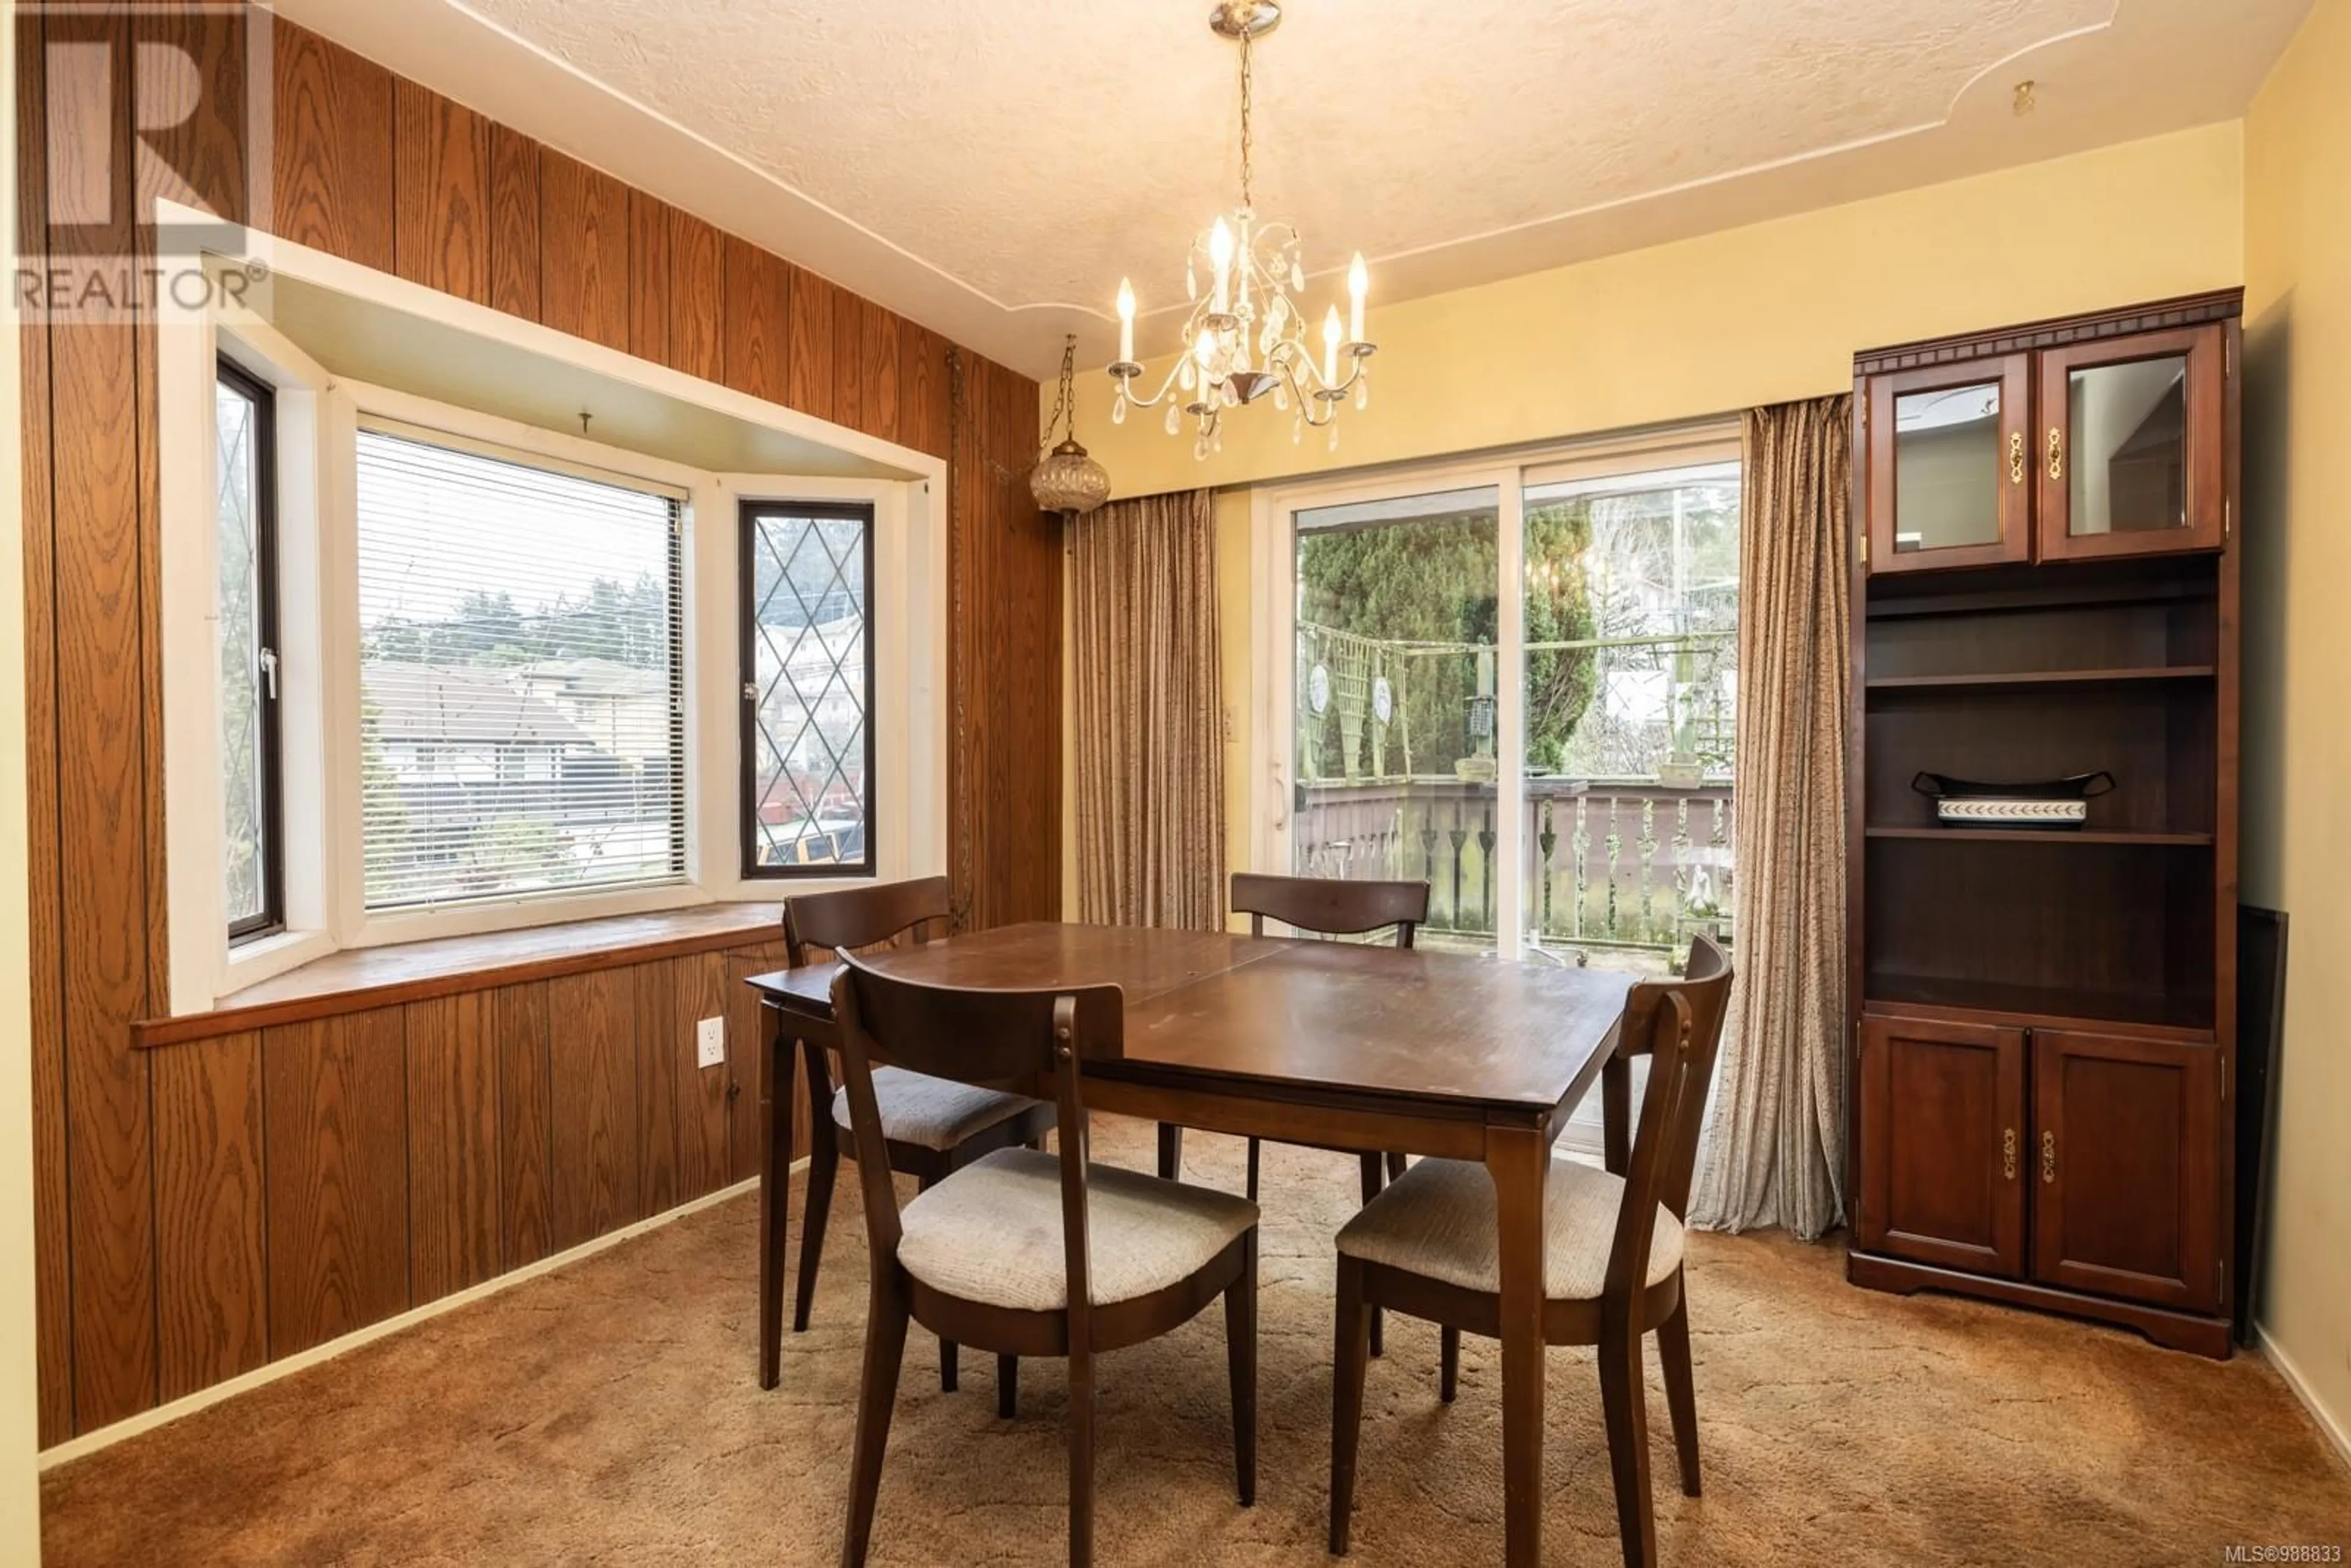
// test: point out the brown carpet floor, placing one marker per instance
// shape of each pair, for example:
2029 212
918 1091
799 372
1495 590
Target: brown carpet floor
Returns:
608 1412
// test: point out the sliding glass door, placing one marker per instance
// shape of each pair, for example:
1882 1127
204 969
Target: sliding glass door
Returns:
1395 703
1519 682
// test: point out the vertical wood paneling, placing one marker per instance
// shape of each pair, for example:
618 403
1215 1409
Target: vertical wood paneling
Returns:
454 1137
526 1123
441 185
922 389
880 407
101 627
697 298
809 387
212 1292
744 1131
206 148
335 1093
53 1290
591 1047
333 180
656 1012
757 342
514 223
583 249
848 316
697 992
649 278
1004 752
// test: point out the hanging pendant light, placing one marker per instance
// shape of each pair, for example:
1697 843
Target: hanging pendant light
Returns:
1066 479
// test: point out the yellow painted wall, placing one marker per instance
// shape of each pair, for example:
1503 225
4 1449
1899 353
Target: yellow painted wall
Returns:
20 1497
1705 325
1747 316
2297 799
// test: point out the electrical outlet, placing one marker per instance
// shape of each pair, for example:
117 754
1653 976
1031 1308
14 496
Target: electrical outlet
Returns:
710 1042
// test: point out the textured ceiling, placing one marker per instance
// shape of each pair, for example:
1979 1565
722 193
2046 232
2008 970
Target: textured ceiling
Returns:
1013 159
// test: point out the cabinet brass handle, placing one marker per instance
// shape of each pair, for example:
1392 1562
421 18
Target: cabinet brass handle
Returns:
2008 1154
2016 457
2056 452
2049 1157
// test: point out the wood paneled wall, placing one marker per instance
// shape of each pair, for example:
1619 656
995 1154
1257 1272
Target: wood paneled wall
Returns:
422 1147
415 1151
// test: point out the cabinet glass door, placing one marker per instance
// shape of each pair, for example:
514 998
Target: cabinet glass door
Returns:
1949 465
2130 454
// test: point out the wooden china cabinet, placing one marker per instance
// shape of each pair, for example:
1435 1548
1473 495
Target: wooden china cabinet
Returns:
2045 586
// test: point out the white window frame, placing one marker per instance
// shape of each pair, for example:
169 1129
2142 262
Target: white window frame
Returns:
318 414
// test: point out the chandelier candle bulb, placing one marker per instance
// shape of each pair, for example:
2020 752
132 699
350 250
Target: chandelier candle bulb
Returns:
1220 256
1359 283
1125 322
1331 348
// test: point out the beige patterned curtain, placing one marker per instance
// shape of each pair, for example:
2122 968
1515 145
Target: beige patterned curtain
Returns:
1151 787
1774 1151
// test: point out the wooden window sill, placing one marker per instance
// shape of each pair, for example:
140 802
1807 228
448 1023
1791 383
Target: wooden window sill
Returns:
359 978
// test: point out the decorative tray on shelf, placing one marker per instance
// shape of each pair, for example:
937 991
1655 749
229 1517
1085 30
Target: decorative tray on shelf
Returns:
2044 803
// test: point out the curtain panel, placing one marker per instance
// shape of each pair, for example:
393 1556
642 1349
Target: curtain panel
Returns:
1149 714
1775 1138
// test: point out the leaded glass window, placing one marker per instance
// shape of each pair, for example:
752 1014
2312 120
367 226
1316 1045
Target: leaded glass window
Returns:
808 678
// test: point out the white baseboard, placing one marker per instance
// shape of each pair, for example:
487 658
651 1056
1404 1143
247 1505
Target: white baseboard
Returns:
2337 1432
188 1405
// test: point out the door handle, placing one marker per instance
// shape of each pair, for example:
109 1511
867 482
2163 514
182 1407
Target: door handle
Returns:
2016 457
2049 1157
2056 452
2008 1154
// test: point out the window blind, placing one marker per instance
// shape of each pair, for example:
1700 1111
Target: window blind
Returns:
522 714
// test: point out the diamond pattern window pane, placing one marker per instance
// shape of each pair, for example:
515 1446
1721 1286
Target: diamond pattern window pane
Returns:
239 428
807 654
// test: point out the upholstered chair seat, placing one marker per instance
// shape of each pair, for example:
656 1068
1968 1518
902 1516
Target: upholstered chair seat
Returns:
1437 1220
932 1113
992 1232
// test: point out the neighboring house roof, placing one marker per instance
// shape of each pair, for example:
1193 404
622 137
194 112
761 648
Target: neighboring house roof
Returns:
592 678
457 704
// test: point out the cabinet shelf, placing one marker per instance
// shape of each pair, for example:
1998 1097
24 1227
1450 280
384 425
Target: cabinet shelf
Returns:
2039 678
2037 1006
2044 836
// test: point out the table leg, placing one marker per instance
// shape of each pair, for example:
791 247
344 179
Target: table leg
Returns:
774 1186
1519 1160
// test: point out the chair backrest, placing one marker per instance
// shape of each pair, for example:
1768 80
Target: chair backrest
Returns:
861 917
1678 1025
1331 906
1031 1041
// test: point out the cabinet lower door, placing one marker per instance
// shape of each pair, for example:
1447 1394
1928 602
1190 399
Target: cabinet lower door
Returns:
1942 1132
2125 1186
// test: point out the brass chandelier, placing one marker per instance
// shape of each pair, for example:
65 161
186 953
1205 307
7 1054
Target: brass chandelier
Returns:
1247 336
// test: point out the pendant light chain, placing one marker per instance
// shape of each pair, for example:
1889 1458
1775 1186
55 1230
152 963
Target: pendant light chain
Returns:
1249 200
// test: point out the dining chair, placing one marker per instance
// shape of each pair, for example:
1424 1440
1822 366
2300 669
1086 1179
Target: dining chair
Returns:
1328 906
1612 1257
930 1126
1022 1252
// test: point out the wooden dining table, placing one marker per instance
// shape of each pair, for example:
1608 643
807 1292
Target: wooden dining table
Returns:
1371 1049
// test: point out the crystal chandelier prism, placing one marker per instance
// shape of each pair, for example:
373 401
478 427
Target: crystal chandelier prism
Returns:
1247 338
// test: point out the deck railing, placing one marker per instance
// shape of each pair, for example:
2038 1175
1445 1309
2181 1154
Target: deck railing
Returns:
1612 864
